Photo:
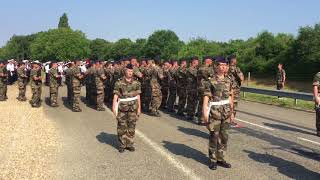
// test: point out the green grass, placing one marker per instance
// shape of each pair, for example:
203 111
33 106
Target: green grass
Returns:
283 102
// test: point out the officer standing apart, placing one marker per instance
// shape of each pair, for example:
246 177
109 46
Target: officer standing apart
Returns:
316 89
127 108
217 109
54 78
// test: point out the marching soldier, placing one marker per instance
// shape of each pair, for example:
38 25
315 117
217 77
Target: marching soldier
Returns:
165 84
217 109
54 78
36 84
236 78
68 81
172 85
127 108
108 70
181 86
22 81
156 95
205 73
76 86
3 81
99 78
192 95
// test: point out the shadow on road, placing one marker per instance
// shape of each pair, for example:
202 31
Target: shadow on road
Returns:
66 103
275 120
287 128
287 168
281 143
186 151
193 132
47 100
110 139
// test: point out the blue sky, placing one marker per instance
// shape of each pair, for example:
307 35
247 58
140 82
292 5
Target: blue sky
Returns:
219 20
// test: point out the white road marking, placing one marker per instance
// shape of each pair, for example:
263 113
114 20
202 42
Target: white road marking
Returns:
264 127
187 171
314 142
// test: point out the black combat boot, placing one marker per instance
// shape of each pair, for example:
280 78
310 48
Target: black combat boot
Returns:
213 166
121 149
318 133
131 149
224 164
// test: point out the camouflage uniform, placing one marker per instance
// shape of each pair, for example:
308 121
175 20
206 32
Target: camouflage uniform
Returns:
76 89
205 73
53 86
146 95
316 82
99 78
181 89
90 86
22 83
165 87
280 77
68 75
172 89
3 83
36 87
235 74
218 89
192 95
127 114
108 85
156 98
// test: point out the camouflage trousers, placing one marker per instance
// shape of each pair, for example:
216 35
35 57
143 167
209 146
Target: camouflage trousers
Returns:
3 92
182 93
22 91
200 99
218 139
172 98
76 97
146 99
317 108
237 97
192 102
165 93
69 93
54 95
36 95
126 128
108 94
156 100
100 97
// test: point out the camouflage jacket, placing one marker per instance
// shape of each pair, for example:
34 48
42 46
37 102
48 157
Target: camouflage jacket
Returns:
53 73
99 77
35 74
125 89
205 73
181 77
166 78
22 75
280 76
316 81
156 75
219 89
3 76
192 78
76 73
235 75
173 78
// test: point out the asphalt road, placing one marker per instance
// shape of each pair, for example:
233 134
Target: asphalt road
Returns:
274 143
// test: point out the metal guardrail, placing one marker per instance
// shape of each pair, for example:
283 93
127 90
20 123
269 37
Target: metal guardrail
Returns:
287 94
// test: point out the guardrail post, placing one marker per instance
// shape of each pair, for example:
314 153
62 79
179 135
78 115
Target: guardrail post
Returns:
244 94
295 102
248 80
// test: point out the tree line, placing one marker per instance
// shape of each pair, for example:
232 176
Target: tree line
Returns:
260 54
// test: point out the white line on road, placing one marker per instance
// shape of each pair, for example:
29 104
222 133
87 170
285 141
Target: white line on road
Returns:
187 171
264 127
314 142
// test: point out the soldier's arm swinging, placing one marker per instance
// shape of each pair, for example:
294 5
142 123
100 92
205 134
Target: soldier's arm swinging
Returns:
205 109
114 103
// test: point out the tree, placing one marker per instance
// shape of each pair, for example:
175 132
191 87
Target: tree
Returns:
98 47
60 44
63 22
163 43
122 48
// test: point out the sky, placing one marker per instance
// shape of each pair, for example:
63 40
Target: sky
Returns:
219 20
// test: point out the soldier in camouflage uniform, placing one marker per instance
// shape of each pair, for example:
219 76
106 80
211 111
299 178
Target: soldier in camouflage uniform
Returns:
172 85
22 81
316 90
281 77
165 84
205 73
36 84
3 81
68 74
54 84
99 78
237 78
181 86
108 70
145 85
217 109
192 94
76 86
156 95
127 108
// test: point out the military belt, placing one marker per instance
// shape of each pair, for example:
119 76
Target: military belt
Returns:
217 103
124 100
